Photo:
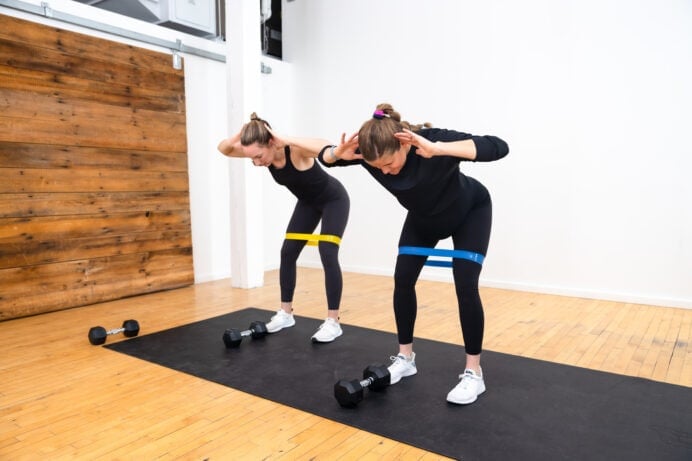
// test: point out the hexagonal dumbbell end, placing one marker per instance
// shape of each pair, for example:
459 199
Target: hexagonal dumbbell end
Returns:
378 375
348 393
130 328
258 329
232 338
97 335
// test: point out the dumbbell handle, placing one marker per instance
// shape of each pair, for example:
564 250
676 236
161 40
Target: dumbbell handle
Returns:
366 382
246 333
115 331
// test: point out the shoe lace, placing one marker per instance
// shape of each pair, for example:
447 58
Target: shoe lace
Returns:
467 377
397 360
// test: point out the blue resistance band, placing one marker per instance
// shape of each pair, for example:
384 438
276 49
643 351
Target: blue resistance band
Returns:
459 254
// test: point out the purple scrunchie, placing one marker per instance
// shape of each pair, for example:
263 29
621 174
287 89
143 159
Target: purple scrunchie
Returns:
379 115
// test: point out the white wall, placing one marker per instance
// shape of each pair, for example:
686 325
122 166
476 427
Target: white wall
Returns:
205 90
593 97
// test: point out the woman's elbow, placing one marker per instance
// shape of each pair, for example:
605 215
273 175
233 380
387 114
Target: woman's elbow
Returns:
224 147
502 148
493 148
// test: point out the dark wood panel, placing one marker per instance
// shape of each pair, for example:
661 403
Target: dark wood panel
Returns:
37 106
55 228
93 133
66 203
31 252
15 180
24 55
88 272
28 155
141 131
160 99
45 288
52 38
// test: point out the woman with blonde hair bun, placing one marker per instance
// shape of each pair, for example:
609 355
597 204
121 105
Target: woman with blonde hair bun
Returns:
321 197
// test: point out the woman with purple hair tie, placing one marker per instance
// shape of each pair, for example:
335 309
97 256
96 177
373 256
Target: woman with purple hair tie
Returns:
419 165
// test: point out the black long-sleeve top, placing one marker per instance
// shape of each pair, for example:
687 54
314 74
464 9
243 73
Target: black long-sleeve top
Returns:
428 186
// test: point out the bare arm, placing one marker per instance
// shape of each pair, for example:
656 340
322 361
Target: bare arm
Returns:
231 147
305 147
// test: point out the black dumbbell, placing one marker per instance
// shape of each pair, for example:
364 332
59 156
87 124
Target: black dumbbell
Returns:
233 337
97 335
349 393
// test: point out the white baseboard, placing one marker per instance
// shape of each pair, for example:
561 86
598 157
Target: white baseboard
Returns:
432 274
590 294
440 275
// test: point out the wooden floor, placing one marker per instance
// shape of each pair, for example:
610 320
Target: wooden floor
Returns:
61 398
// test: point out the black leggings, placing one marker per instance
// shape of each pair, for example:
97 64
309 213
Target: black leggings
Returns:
334 216
471 234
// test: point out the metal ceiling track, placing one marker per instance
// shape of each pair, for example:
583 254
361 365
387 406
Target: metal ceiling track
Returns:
45 10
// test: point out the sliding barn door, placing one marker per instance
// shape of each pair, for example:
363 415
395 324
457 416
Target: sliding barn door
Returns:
94 201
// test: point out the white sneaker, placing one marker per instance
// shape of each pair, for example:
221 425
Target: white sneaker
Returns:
401 367
279 321
468 389
327 332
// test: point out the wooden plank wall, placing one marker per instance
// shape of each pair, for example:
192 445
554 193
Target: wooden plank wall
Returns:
94 199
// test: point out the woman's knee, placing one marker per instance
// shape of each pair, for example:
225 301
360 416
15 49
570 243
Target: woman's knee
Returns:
405 279
466 272
291 249
329 253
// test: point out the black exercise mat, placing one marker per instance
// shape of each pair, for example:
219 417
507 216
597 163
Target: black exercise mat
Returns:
532 410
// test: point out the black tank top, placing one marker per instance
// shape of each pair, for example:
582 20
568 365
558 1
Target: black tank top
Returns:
305 185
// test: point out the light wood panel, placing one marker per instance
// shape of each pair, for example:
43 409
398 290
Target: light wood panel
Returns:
62 398
94 195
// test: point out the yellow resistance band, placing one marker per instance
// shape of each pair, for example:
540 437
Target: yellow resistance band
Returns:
312 239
